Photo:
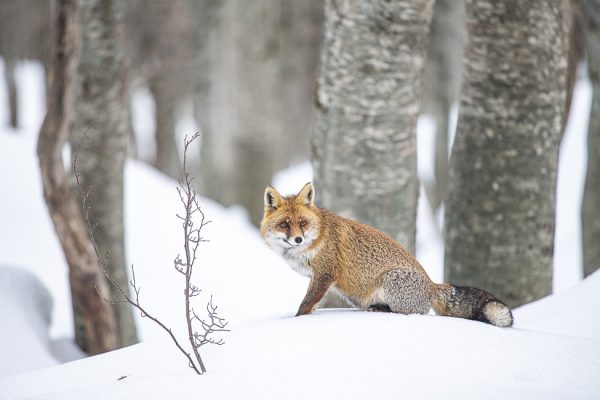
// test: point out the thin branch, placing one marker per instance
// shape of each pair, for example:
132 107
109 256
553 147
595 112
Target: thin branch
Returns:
192 239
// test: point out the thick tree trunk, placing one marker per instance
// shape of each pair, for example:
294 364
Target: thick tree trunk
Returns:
368 98
100 137
590 212
95 330
443 74
500 206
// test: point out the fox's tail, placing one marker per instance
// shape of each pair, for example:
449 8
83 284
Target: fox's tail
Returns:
470 303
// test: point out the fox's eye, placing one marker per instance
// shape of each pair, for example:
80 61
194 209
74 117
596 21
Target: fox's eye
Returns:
303 223
284 225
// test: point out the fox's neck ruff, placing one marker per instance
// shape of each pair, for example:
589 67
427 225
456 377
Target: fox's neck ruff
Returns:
298 256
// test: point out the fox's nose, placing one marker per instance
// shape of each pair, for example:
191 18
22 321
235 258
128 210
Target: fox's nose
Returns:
298 239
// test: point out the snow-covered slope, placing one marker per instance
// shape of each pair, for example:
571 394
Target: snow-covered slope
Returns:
24 319
338 354
574 312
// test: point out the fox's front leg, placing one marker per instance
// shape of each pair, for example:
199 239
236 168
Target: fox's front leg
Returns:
316 290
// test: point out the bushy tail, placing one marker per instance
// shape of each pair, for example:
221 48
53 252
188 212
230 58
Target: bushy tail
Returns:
470 303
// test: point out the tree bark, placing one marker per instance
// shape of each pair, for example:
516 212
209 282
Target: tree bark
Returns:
590 216
100 137
159 38
95 330
11 86
500 207
24 35
242 114
443 74
302 29
167 155
256 106
368 99
216 145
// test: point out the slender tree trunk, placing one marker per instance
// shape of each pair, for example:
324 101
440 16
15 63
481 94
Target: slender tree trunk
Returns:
11 85
95 330
242 112
302 26
368 98
443 74
100 138
167 155
254 99
590 215
500 206
576 49
215 145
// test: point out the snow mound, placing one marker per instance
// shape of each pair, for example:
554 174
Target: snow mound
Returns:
338 354
25 318
574 312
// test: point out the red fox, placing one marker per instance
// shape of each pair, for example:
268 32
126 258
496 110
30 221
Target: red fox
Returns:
363 265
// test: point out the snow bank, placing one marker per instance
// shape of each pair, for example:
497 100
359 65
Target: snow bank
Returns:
338 354
25 317
574 312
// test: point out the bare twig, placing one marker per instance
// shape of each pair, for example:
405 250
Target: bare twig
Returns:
192 239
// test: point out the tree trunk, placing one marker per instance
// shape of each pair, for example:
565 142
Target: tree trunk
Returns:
301 26
95 330
100 137
256 107
500 206
167 155
368 99
576 50
443 74
243 112
590 216
215 146
11 86
165 51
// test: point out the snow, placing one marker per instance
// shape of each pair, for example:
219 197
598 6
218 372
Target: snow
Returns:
338 354
26 305
553 351
575 312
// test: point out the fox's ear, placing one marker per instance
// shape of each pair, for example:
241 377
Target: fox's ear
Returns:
272 198
307 194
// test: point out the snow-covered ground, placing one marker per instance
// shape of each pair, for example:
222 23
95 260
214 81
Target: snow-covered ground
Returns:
554 351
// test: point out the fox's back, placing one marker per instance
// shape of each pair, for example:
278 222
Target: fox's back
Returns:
364 253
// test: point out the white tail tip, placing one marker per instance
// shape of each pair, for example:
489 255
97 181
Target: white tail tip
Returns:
498 314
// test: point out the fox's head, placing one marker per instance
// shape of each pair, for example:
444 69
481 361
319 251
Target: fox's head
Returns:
290 223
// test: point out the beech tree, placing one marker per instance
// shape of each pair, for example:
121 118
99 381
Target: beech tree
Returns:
368 98
443 74
302 34
24 34
100 138
500 206
95 326
590 216
159 48
241 115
